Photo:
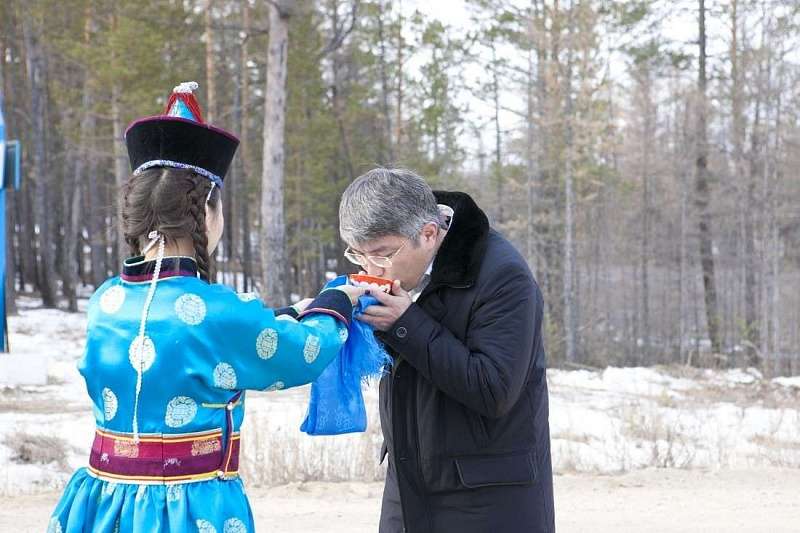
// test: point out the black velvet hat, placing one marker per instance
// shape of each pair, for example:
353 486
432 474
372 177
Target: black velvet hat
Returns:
180 139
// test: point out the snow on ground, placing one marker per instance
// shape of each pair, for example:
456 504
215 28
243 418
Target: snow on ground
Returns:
616 420
628 418
793 381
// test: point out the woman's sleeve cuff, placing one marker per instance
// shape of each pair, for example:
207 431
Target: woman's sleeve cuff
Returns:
288 310
332 302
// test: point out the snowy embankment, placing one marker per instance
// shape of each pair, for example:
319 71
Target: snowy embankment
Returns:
612 421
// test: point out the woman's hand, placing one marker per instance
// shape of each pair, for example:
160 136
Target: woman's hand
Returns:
352 292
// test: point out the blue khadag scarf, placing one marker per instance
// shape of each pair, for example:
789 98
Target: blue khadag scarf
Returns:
336 405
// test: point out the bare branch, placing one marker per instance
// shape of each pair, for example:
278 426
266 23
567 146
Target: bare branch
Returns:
340 32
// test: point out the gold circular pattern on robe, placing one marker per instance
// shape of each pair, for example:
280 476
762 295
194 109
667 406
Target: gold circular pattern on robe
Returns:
112 299
109 404
224 376
311 349
234 525
204 526
191 309
180 411
143 351
267 343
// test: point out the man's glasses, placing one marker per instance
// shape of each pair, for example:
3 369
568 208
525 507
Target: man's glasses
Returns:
379 261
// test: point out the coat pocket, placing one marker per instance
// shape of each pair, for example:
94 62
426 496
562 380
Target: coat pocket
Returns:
491 471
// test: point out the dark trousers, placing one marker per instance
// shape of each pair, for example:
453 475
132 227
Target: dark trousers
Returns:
391 512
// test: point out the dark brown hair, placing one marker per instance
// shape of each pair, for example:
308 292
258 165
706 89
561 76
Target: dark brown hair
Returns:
171 201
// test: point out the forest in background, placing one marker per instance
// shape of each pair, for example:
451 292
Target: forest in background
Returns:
649 177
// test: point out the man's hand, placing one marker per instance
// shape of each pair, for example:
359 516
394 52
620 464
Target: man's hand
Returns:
382 317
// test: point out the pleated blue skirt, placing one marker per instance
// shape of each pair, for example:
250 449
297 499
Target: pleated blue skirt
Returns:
92 505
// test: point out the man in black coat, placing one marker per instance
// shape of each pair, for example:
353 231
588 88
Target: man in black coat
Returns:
464 410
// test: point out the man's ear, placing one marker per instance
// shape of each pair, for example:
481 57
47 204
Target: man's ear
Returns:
429 231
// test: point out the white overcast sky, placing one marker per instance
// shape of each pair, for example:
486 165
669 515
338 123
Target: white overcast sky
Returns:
678 24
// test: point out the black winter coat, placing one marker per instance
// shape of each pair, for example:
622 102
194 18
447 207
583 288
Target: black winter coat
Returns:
464 412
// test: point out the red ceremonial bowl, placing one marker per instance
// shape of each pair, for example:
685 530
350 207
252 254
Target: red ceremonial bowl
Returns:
384 284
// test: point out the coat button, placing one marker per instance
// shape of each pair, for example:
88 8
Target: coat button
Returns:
401 332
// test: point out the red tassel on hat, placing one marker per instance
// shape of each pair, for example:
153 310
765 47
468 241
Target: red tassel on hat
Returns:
184 93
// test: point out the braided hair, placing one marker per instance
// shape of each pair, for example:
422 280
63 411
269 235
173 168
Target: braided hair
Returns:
173 202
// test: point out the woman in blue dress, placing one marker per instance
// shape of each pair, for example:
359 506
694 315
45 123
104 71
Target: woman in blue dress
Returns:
169 355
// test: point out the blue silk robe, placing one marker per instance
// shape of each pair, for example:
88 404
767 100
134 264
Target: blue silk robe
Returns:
203 346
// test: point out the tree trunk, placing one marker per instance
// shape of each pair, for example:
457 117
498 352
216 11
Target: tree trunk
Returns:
682 329
542 229
570 304
236 187
26 237
703 195
387 154
244 155
121 165
121 171
498 139
37 77
71 193
747 188
231 198
222 252
211 68
398 126
97 221
273 230
530 149
70 250
645 169
336 100
773 173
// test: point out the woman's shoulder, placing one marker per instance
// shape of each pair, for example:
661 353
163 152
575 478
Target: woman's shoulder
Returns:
108 294
217 292
110 282
224 300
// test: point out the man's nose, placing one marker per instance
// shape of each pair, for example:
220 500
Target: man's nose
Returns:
374 270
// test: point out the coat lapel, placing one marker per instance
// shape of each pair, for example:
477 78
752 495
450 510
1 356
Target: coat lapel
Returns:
458 261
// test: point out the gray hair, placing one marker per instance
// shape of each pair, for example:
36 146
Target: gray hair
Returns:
386 201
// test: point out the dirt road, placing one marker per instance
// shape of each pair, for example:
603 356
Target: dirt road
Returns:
651 501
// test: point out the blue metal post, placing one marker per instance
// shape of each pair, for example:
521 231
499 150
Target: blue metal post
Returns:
3 318
10 155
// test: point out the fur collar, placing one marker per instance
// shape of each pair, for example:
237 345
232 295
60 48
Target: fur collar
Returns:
459 259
